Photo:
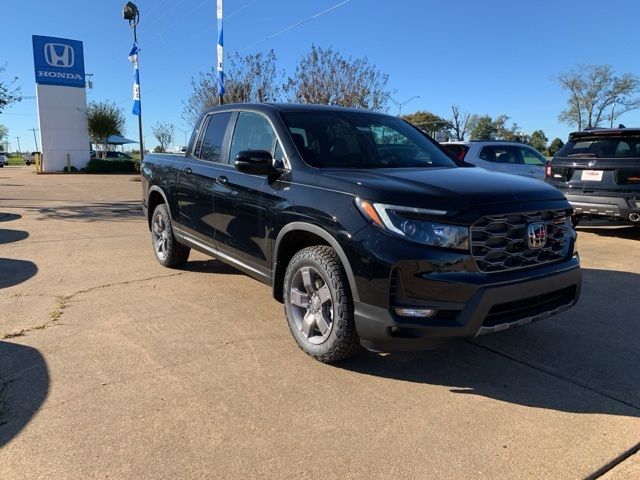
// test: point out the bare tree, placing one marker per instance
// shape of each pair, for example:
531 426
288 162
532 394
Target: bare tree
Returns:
593 89
163 132
459 122
250 78
324 76
9 93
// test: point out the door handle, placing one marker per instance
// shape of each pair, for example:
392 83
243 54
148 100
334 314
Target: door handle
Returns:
223 179
188 171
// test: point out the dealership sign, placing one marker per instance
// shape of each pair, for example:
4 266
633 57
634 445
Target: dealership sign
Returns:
58 61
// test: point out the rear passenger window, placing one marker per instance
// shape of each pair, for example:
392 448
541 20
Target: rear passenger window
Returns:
252 132
211 148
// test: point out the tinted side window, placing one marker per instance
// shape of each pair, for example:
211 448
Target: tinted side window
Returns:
213 138
252 132
531 157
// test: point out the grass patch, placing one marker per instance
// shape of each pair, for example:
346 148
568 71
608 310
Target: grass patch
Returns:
15 161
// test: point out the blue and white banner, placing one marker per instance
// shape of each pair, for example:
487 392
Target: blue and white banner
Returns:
133 58
220 50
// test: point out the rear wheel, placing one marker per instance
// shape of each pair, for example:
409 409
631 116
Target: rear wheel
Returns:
169 252
319 306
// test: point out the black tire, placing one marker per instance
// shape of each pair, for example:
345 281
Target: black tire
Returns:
575 219
323 264
169 252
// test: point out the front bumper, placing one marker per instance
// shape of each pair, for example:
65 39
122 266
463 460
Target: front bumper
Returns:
606 206
492 306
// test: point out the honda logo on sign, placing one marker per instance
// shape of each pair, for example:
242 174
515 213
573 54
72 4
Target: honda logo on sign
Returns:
537 235
59 55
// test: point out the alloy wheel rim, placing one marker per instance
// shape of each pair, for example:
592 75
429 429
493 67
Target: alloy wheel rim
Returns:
160 232
311 305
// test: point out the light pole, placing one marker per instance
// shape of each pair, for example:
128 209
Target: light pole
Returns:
402 104
613 108
19 149
131 13
185 136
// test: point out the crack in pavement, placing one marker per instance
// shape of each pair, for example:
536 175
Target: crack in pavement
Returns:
63 303
74 239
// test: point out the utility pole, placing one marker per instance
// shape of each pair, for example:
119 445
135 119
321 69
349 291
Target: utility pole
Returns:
19 149
34 130
220 51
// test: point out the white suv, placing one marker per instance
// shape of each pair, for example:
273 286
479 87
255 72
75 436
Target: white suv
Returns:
500 156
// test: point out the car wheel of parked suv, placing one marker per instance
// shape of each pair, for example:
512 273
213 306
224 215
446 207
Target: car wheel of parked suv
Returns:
168 251
319 306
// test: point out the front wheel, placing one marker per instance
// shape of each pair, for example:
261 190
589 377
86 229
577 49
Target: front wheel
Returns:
319 306
169 252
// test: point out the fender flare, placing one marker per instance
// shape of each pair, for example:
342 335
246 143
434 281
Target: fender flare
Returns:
311 228
152 189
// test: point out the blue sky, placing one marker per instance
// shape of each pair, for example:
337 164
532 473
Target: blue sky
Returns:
488 57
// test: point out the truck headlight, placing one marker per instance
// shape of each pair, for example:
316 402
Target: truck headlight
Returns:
414 224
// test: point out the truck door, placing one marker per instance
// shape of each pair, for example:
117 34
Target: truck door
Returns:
199 174
242 201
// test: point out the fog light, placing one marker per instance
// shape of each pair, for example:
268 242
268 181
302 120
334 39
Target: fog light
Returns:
415 312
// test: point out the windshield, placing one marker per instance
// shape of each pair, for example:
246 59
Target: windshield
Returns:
599 147
361 140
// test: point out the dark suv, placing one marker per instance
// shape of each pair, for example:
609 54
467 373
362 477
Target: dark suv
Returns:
364 228
599 172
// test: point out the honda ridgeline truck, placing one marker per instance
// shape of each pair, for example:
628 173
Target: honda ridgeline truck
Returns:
363 227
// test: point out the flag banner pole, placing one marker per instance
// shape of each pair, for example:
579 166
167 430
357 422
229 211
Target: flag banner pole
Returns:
220 52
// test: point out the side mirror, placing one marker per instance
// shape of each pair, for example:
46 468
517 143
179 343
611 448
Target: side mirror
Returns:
255 162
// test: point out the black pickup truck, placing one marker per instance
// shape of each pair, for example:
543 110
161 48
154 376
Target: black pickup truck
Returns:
364 228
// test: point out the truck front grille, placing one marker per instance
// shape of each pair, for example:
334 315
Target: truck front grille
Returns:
501 242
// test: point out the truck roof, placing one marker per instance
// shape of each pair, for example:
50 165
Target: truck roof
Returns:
289 107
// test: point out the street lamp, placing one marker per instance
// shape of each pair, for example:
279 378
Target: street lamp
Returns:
131 13
402 104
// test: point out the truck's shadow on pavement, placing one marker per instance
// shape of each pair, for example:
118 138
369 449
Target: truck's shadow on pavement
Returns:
92 212
583 361
24 383
8 217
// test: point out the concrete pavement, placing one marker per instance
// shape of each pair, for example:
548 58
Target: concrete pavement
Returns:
113 367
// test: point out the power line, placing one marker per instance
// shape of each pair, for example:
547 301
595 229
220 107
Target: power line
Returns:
291 27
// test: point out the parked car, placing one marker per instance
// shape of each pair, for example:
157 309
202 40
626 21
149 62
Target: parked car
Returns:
116 156
598 170
4 159
30 158
501 156
364 228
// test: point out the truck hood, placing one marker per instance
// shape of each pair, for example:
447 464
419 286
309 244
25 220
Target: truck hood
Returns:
450 189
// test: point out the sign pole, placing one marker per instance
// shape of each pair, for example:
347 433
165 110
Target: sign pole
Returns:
220 51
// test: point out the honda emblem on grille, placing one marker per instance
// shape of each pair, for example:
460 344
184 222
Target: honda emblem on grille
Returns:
537 235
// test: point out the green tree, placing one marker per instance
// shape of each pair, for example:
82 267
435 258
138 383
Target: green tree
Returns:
249 78
482 127
324 76
593 91
555 145
163 132
538 140
4 133
104 119
427 122
9 92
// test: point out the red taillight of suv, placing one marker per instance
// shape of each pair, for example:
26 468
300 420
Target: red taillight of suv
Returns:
547 170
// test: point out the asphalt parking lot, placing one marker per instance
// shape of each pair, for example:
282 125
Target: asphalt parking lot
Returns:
114 367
